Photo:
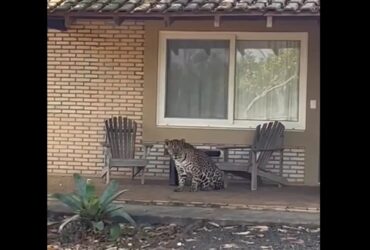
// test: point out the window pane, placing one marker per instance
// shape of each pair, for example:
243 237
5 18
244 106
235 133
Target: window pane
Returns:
197 79
267 77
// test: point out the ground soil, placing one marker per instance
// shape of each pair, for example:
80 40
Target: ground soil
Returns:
202 235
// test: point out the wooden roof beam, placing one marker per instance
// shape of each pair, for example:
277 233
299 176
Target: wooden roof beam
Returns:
118 20
217 21
68 21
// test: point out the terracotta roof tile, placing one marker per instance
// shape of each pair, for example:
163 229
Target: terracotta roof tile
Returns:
175 7
158 7
310 6
300 2
191 7
214 1
241 6
275 6
129 7
207 7
225 6
143 7
117 1
291 7
183 2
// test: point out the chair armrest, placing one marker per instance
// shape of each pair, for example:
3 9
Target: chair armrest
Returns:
148 144
105 144
147 149
235 147
271 149
225 150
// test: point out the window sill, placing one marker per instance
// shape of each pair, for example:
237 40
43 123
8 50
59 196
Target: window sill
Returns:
232 127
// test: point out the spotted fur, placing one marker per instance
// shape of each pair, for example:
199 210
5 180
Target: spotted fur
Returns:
195 164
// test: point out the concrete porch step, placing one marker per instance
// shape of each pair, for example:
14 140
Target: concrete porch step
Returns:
223 216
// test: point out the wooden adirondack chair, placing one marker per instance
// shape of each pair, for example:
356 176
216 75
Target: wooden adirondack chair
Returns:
268 138
119 147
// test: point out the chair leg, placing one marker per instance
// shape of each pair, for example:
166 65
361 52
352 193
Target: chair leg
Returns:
254 172
107 177
142 176
133 173
226 180
281 165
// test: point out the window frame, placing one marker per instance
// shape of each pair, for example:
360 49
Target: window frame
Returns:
230 122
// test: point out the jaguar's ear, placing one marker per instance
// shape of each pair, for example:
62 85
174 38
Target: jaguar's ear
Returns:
165 152
166 142
182 140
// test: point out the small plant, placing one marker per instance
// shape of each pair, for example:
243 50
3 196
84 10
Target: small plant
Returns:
96 211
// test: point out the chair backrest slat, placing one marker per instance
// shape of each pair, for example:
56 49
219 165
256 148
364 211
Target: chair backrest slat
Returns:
120 139
268 136
121 134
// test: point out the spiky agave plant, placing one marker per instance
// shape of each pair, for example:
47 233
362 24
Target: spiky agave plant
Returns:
98 211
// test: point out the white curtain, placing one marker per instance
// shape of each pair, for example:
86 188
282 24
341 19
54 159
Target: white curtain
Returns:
267 77
197 79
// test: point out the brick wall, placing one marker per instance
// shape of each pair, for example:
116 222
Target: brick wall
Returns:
95 70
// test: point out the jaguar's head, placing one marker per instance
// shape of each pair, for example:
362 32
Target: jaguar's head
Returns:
174 147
